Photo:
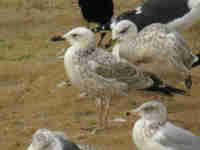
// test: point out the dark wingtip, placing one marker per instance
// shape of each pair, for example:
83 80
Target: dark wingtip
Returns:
57 38
198 62
127 114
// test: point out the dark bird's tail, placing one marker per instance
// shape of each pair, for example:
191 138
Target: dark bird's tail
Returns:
197 63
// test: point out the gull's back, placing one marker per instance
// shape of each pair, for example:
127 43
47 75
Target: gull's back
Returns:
155 47
166 137
99 71
105 65
176 138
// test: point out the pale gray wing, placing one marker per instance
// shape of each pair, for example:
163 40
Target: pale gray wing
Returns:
176 138
107 66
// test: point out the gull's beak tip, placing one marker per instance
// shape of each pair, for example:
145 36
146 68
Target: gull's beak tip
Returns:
128 113
57 38
131 112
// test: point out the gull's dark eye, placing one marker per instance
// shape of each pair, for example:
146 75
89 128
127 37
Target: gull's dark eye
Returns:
148 109
124 30
74 35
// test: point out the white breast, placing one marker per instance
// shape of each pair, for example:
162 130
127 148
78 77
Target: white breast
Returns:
141 138
71 68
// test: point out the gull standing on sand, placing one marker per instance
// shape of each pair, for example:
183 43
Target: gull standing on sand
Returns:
156 50
44 139
154 132
97 72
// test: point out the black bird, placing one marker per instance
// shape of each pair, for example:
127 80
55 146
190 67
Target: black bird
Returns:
177 14
97 11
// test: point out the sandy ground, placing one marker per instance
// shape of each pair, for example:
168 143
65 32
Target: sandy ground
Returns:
30 73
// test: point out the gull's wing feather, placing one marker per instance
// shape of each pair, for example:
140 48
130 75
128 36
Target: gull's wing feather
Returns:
106 65
176 138
182 49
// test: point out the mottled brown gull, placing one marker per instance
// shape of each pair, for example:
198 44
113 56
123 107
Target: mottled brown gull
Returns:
155 49
97 72
154 132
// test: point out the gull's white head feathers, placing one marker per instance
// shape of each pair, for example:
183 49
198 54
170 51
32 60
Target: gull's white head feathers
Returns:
44 139
124 30
80 36
152 111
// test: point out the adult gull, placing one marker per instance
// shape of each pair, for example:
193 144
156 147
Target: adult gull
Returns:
51 140
154 132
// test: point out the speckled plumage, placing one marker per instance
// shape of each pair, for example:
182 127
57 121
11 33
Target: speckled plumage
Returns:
154 132
97 72
155 49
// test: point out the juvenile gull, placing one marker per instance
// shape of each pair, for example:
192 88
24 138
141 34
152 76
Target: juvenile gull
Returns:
97 72
156 50
44 139
154 132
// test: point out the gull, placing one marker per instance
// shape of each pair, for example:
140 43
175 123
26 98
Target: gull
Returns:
154 132
44 139
98 73
176 14
156 50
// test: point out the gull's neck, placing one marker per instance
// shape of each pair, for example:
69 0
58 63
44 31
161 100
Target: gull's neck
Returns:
155 122
155 118
84 45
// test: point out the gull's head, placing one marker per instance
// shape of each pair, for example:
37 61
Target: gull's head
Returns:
123 30
79 36
42 139
152 111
